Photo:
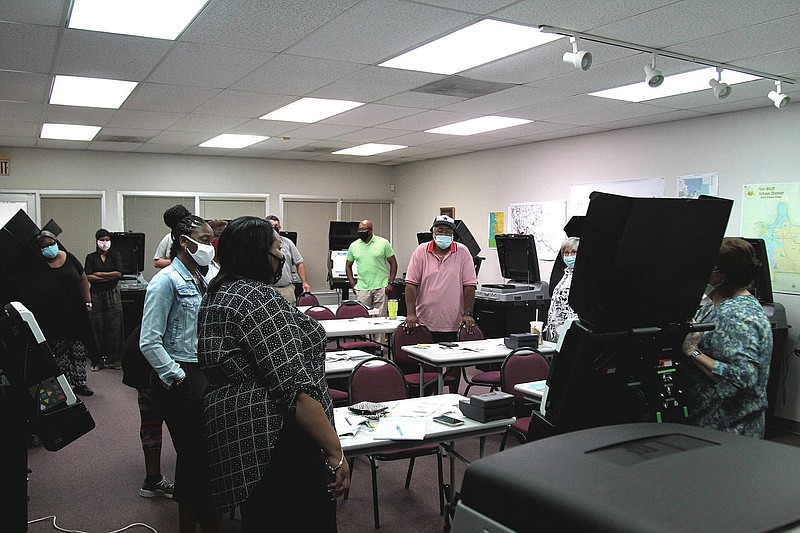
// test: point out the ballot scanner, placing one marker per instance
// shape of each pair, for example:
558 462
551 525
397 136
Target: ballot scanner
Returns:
636 478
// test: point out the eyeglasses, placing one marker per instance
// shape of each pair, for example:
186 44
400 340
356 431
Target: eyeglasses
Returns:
442 231
715 269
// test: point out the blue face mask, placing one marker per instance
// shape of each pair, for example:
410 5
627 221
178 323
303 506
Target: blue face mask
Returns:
50 251
569 260
443 241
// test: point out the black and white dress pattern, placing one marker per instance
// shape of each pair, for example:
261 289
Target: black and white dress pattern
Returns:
258 352
560 311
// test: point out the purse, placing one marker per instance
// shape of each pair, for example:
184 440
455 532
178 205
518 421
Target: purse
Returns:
370 410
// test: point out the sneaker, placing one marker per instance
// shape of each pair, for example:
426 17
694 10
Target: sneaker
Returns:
161 489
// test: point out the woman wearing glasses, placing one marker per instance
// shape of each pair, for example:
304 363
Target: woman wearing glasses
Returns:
560 310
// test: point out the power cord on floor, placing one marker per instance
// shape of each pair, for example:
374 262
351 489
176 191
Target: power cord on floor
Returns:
59 528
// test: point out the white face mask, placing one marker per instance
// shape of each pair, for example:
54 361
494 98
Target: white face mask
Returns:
204 254
104 245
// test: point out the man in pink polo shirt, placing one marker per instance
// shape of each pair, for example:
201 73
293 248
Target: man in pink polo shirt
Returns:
440 287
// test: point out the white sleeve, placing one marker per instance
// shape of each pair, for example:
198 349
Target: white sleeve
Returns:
162 252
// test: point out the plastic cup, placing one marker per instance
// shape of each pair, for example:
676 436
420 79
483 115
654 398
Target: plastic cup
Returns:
392 308
536 329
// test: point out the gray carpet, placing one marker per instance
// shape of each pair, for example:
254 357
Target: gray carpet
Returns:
92 484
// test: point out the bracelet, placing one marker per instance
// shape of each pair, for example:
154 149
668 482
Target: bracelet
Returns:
334 469
467 313
694 353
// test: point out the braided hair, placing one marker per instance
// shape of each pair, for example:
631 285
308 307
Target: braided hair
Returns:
185 226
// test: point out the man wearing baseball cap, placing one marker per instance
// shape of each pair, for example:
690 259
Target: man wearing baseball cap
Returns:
440 288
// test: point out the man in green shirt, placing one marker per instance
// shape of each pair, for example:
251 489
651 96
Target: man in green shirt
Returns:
370 253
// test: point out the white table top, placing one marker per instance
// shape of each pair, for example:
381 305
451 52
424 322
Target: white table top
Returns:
350 327
425 408
466 353
532 390
339 364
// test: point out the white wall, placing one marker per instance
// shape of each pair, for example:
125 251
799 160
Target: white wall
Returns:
755 146
33 169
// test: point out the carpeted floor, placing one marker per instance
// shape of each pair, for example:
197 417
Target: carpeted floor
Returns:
92 484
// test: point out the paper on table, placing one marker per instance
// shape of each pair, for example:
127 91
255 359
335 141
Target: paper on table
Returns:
400 429
347 425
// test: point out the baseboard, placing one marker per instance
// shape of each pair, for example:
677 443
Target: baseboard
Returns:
784 424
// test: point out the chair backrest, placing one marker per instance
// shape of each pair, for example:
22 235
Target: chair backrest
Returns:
465 335
307 299
401 337
377 380
352 309
520 366
320 312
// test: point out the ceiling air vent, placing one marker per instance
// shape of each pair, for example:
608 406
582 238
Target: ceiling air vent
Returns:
461 87
122 139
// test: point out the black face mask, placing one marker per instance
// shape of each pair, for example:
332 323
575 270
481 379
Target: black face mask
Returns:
279 271
364 235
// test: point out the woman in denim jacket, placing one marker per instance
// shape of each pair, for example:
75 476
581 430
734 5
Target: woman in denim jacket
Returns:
169 343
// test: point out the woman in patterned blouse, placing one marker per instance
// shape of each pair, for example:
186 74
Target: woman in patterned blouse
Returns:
274 451
560 310
726 379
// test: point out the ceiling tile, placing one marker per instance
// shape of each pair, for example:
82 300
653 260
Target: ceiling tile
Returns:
371 115
24 86
44 12
376 30
374 83
64 114
103 55
207 66
274 25
26 47
142 120
295 75
171 98
232 103
206 123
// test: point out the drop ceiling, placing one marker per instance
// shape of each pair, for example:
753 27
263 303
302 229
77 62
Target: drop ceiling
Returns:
240 59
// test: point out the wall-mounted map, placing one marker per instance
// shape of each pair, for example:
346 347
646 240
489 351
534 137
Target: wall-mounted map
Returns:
771 211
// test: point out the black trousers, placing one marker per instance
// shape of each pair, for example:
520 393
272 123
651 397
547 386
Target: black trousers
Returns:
293 494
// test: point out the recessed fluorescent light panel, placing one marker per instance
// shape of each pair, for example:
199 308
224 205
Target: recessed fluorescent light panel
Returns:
311 110
688 82
369 149
160 19
90 92
479 125
474 45
232 140
69 132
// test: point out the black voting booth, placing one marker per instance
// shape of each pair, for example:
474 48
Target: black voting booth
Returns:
34 395
340 236
640 274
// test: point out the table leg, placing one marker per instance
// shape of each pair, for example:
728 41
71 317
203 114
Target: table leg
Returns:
421 380
440 380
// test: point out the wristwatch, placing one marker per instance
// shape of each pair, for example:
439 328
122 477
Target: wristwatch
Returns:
694 353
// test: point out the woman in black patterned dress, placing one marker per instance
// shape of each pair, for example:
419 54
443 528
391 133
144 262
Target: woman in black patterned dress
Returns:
273 448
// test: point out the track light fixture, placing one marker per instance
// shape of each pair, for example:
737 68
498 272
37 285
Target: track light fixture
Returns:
780 100
721 89
652 75
577 58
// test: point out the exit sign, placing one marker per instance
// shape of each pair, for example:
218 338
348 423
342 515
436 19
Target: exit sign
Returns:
4 167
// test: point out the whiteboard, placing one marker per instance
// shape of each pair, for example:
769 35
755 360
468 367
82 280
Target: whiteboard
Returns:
644 188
